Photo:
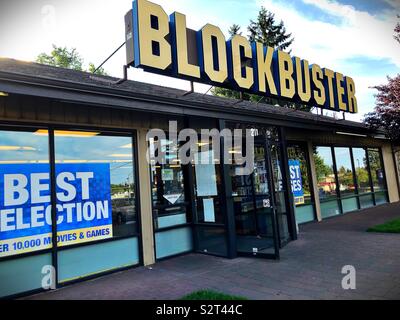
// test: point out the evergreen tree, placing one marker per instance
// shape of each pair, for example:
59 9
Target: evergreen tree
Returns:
270 33
234 29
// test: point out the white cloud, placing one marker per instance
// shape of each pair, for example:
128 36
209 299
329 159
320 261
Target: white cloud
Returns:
97 28
360 35
329 45
334 8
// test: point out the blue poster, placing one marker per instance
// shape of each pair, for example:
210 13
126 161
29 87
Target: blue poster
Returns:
296 181
84 211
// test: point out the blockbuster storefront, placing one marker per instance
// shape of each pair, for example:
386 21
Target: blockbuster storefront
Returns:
78 193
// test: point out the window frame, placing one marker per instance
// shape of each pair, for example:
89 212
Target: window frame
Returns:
307 157
185 204
385 188
19 128
334 172
357 194
130 133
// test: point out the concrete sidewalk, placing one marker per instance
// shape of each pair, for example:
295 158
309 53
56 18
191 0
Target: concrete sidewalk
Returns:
310 268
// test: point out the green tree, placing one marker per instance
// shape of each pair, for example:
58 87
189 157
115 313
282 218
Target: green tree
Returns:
362 177
234 29
374 161
345 176
323 170
270 33
386 115
64 57
100 71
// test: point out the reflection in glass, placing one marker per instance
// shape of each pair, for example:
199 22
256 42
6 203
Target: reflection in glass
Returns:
344 171
304 211
366 201
108 159
362 173
378 176
280 193
381 197
25 211
260 171
252 205
329 208
168 194
211 240
242 185
349 204
23 147
325 173
207 184
296 152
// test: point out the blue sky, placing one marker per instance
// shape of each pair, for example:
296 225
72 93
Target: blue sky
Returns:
371 6
311 12
354 37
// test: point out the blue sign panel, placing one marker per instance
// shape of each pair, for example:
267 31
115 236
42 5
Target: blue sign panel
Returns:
83 205
296 181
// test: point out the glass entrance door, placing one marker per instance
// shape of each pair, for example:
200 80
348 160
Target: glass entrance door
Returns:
255 215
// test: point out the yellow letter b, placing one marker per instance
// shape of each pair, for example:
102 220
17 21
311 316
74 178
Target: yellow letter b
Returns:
151 27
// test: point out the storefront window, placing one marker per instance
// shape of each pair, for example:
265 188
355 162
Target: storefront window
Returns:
368 168
362 173
173 235
326 181
344 172
25 210
325 173
375 163
207 187
95 186
300 180
366 201
168 193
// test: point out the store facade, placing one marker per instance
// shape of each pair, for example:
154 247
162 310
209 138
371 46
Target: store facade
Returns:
73 150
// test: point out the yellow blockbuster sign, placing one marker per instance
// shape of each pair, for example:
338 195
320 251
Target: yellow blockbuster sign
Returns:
162 44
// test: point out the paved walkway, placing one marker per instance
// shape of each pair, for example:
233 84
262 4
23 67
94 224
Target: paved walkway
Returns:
310 268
